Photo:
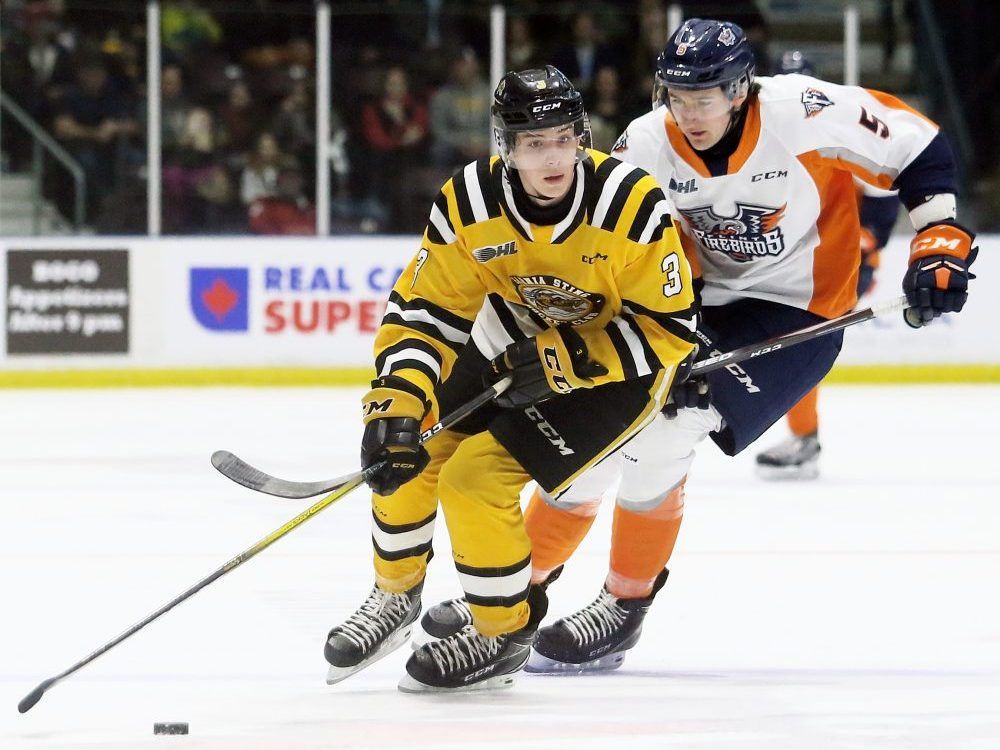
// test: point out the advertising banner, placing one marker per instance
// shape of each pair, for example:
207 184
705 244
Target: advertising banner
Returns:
67 301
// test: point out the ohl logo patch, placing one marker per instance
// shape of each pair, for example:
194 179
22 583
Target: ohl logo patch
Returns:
219 298
753 232
558 301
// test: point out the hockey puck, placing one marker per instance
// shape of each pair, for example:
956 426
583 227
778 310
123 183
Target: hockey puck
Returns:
170 727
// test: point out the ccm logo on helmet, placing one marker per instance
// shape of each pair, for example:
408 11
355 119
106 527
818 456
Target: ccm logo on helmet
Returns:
546 107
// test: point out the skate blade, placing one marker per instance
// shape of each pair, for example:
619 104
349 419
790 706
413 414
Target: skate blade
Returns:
540 664
501 682
803 472
337 674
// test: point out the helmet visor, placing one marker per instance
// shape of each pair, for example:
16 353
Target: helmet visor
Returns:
697 104
545 148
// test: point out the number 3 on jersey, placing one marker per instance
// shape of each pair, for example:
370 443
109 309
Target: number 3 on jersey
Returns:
671 267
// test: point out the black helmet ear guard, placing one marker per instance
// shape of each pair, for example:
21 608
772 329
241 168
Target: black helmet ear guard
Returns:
536 99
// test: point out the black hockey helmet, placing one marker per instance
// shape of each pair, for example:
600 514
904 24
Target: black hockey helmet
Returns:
704 54
536 99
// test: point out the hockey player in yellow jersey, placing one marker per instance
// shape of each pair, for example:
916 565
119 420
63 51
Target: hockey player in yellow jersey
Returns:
559 267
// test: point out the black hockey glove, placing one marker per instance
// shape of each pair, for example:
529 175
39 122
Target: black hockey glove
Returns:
554 362
937 280
688 391
393 409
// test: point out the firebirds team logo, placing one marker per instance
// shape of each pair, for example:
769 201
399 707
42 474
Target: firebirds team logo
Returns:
558 301
753 232
814 101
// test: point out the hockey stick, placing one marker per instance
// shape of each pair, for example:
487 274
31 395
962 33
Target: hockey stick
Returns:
808 333
346 484
241 472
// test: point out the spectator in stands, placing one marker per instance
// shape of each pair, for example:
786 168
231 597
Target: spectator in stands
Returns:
394 128
608 115
521 51
90 120
294 124
260 176
581 60
196 189
287 211
185 27
239 119
460 114
174 108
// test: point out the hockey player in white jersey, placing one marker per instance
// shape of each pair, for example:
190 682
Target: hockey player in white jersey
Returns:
761 174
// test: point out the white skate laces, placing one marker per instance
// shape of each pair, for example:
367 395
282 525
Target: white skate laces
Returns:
379 614
597 620
463 650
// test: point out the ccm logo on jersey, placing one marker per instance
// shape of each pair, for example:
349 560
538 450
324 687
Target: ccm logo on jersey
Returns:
592 259
488 253
772 175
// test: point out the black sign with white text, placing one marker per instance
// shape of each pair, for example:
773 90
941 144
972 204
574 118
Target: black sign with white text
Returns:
67 302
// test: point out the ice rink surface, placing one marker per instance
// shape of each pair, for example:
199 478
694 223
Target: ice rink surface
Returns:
860 611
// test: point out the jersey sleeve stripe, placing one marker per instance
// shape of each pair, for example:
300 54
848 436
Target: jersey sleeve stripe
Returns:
659 220
447 318
439 228
465 211
621 348
617 204
414 354
609 188
485 178
650 360
477 201
871 172
645 211
681 323
597 189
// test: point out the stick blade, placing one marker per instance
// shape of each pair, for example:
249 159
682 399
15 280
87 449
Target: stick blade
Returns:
28 701
239 471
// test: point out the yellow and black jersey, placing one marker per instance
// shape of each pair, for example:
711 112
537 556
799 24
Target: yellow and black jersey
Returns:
613 268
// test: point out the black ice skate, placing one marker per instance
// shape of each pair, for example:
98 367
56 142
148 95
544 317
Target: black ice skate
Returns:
795 458
381 625
468 660
594 638
452 615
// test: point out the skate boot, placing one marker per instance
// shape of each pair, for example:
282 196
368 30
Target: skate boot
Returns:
795 458
450 616
594 638
379 626
467 660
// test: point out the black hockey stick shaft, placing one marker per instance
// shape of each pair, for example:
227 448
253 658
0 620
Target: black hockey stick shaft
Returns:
239 471
809 333
343 489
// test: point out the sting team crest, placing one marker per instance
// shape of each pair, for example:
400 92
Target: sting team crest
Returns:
558 301
752 232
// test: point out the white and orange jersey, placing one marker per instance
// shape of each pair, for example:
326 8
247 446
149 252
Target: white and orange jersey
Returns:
781 222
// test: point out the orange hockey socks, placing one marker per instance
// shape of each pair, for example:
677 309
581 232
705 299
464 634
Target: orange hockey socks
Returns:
641 545
803 418
555 533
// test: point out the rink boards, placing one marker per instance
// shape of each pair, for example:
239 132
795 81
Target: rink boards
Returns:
210 310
